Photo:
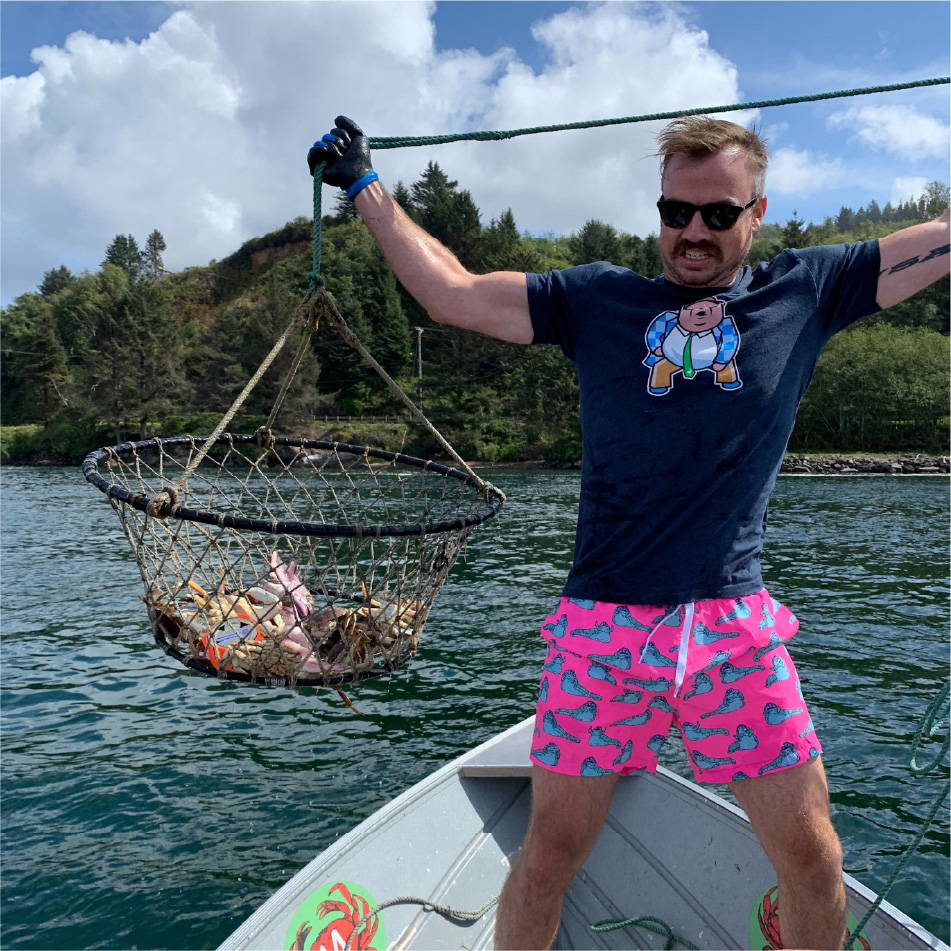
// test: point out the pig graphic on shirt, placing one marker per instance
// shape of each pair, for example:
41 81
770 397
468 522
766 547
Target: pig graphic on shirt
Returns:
700 336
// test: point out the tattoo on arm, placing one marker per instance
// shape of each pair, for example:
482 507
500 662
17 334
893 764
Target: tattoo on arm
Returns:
901 265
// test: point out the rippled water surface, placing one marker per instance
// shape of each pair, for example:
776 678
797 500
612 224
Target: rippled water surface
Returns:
145 806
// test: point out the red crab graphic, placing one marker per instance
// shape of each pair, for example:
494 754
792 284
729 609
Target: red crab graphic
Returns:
342 932
767 916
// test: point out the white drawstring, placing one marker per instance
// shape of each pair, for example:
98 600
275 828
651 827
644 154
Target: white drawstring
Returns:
684 642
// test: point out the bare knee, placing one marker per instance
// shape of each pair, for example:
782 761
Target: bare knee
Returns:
549 860
813 853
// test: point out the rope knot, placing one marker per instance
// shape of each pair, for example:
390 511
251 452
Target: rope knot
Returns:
157 503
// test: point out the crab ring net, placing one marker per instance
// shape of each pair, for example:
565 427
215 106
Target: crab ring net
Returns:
296 563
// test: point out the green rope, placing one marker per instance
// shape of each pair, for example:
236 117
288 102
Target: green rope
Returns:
397 142
316 280
931 726
655 925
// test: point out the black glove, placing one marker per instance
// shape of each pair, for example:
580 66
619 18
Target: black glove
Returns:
346 152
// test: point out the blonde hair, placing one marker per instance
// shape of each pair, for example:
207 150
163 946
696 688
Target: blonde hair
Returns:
700 136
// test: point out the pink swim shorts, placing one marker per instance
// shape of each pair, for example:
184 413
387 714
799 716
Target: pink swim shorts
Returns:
617 675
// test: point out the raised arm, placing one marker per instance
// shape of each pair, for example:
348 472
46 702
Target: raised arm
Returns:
911 259
495 304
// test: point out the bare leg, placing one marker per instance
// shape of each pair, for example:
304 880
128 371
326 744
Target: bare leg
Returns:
789 811
567 815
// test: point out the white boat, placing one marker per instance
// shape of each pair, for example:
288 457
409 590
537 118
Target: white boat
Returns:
448 841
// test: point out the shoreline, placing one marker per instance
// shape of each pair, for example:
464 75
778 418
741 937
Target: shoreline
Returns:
794 463
799 464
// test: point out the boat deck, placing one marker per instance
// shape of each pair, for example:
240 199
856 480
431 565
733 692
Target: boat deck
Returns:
669 850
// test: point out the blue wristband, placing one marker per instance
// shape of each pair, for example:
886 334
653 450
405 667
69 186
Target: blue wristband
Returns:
361 183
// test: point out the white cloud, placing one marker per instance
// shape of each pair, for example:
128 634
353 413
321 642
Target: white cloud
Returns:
202 128
903 131
906 189
799 172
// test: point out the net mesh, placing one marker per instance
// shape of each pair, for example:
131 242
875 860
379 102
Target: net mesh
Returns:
293 563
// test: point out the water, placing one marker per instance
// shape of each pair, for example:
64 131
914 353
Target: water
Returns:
145 806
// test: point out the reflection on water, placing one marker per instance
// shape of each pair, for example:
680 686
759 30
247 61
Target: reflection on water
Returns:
145 806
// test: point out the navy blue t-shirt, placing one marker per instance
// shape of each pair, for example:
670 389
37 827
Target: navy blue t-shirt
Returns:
688 398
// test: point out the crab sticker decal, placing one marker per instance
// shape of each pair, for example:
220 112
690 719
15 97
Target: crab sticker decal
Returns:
764 925
334 917
700 336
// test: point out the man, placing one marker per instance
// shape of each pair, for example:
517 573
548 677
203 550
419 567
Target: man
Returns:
664 615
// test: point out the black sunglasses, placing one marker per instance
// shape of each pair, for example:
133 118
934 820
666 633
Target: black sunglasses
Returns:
718 215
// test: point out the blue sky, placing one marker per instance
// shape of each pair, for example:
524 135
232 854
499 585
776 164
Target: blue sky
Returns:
194 117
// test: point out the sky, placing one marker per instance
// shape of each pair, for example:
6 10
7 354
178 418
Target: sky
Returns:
195 118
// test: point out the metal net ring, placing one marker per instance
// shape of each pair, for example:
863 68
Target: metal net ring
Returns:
294 563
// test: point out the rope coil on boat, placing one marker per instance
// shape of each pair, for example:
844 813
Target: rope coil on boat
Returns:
655 925
444 910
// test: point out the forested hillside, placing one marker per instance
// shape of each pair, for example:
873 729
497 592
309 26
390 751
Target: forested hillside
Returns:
132 350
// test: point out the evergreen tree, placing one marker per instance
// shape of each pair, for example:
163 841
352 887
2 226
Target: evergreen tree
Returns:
641 255
152 256
502 249
820 234
596 241
134 369
46 372
431 201
345 210
124 253
401 195
30 354
845 220
464 229
794 234
449 215
499 242
56 280
936 197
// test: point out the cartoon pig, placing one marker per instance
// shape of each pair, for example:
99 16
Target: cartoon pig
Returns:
699 337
